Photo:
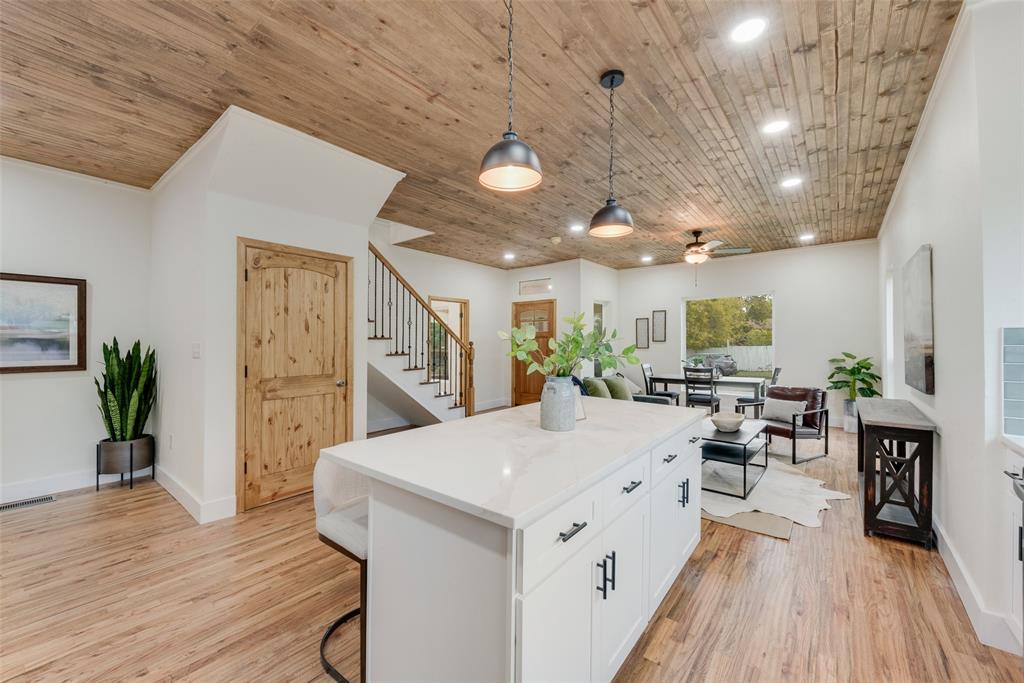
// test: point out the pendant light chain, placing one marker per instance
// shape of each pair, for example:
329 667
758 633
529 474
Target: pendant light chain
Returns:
611 140
511 98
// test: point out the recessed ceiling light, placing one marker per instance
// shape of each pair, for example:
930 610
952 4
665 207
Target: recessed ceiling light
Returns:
791 182
776 126
646 259
576 227
746 31
509 256
806 237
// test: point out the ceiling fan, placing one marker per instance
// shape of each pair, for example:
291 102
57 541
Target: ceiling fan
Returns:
698 252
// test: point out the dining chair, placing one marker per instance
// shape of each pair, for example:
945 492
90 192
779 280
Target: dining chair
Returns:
700 389
756 400
648 373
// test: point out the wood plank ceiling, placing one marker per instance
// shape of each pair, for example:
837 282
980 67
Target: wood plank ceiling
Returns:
119 90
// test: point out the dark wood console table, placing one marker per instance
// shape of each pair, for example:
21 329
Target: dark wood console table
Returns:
895 445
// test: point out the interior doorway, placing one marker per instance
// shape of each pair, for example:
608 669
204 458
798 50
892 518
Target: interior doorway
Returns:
526 388
294 365
455 314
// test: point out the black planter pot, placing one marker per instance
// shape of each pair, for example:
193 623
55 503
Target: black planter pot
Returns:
119 457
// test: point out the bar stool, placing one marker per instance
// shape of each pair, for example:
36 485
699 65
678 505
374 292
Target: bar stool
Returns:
341 523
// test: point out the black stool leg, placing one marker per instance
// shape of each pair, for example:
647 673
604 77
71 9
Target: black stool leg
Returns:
348 616
328 667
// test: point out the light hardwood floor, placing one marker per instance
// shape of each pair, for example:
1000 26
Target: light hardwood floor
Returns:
117 584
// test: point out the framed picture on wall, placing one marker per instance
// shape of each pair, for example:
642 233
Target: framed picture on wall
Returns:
42 323
643 333
659 323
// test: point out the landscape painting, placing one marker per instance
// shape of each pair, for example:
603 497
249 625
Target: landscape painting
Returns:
918 333
42 323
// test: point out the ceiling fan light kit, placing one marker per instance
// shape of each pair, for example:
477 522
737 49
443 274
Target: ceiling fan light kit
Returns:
510 165
611 220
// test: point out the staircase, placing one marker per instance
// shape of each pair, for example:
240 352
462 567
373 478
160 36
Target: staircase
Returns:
415 359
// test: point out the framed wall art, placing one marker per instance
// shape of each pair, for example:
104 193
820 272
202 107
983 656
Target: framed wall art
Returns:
42 323
659 325
643 333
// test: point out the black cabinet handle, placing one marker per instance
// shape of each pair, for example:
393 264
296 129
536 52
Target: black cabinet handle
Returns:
1020 543
632 486
694 439
611 582
566 535
670 457
684 493
603 588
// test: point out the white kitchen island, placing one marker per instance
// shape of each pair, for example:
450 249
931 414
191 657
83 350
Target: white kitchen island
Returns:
502 552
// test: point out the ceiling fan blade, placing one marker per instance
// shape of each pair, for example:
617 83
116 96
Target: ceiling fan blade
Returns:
732 250
708 246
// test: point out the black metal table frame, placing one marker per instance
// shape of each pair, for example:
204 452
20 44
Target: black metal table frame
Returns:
746 463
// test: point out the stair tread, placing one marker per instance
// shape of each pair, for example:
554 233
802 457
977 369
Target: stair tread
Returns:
379 338
442 395
415 367
396 354
431 381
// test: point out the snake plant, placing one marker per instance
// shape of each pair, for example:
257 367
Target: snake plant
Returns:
128 391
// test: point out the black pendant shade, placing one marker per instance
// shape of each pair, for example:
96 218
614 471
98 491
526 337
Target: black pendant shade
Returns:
611 220
510 165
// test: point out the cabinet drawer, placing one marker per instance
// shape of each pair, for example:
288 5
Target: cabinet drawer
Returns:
670 453
624 487
557 536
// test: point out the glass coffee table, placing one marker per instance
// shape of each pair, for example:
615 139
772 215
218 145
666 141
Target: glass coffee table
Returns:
735 448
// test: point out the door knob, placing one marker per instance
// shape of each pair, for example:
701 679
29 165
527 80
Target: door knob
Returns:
340 383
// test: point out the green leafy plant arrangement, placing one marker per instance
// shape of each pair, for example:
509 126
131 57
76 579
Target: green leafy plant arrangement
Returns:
855 376
128 391
568 351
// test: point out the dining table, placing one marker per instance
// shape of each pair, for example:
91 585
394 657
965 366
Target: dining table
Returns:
753 384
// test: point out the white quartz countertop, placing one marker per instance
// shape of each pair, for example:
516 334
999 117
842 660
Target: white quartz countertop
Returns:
503 467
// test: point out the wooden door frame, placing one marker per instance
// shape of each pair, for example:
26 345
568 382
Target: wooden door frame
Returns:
464 324
243 243
554 333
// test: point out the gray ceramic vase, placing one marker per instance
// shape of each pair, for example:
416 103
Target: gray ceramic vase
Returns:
558 405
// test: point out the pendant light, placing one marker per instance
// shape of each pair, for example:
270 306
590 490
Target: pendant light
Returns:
510 165
611 220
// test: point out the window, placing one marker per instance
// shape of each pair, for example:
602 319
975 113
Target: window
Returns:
541 286
733 334
1013 381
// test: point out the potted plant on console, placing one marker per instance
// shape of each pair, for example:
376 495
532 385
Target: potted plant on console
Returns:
854 376
127 396
557 399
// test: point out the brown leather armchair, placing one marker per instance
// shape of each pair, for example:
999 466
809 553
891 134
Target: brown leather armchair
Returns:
810 424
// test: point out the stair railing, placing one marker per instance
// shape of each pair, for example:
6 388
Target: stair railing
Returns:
399 315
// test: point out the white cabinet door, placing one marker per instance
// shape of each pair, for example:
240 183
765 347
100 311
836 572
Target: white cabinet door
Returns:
688 511
556 615
619 615
666 527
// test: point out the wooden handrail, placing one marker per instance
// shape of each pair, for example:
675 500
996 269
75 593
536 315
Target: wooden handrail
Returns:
469 353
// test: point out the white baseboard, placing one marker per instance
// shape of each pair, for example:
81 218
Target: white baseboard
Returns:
202 512
57 483
992 628
386 423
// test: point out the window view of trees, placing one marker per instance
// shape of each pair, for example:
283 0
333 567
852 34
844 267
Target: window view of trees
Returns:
739 328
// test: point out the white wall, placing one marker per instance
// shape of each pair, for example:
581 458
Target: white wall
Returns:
825 301
961 192
68 225
250 177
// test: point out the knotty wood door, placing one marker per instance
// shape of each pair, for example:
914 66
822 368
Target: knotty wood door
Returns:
541 314
294 344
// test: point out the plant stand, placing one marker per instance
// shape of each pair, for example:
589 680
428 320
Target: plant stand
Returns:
118 457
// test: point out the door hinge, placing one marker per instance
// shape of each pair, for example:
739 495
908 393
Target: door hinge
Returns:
246 371
245 468
246 274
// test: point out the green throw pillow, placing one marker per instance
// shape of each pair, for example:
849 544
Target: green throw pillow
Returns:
595 387
618 389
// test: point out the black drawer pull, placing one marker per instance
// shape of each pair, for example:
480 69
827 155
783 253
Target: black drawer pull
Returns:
566 535
670 457
684 486
694 439
632 486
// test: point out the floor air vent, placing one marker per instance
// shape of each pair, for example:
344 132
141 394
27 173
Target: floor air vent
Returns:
28 502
